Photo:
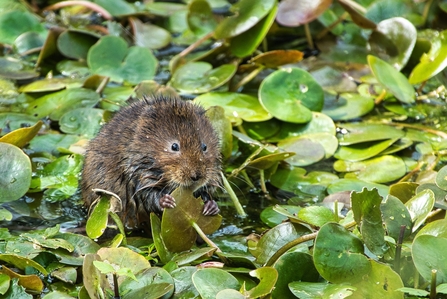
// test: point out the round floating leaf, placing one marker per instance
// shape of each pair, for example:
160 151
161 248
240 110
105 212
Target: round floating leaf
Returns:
154 281
236 105
291 95
14 69
420 206
338 255
378 170
271 217
295 13
303 270
176 224
51 84
82 121
364 132
316 215
210 281
395 214
15 172
150 36
28 42
200 17
246 14
428 251
441 178
393 80
310 290
357 185
347 106
381 281
200 77
277 237
362 151
110 57
432 62
57 104
306 151
15 22
246 43
75 43
394 40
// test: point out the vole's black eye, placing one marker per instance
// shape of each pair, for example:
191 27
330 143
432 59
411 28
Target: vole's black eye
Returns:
175 147
204 147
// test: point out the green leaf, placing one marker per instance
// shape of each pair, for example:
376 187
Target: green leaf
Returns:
365 132
393 40
200 77
246 43
420 206
111 57
382 169
338 255
15 172
57 104
82 121
432 62
291 95
236 105
104 267
314 290
246 14
16 22
98 219
210 281
367 214
316 215
392 80
347 106
395 214
362 151
76 43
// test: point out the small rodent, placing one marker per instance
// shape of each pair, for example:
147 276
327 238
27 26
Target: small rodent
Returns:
148 149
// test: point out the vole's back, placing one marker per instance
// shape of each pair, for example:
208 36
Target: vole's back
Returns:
147 150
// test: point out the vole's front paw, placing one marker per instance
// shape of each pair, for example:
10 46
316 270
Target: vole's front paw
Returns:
167 201
210 208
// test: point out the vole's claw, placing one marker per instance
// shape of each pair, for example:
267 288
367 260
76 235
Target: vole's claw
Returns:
167 201
210 208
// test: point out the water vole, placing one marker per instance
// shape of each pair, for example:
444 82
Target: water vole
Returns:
146 151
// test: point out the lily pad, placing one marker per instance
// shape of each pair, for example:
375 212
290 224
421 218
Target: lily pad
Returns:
427 251
97 220
310 290
246 14
200 77
420 206
306 151
291 95
110 57
278 58
433 62
236 105
393 81
57 104
347 106
393 40
362 151
22 136
82 121
177 224
338 255
15 172
149 35
378 170
16 22
245 43
363 132
75 43
210 281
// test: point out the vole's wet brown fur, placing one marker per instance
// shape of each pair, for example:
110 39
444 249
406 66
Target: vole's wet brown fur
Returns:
146 151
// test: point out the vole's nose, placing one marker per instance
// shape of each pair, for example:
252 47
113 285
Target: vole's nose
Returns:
195 177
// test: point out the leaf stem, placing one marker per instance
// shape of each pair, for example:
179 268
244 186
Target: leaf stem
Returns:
309 36
433 284
120 225
237 204
204 237
399 249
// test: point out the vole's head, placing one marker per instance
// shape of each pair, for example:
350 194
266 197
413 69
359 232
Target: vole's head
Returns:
182 143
